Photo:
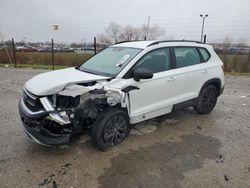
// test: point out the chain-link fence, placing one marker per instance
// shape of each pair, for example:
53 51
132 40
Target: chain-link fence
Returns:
50 57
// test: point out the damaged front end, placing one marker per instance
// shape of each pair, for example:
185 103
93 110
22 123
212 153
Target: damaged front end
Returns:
55 119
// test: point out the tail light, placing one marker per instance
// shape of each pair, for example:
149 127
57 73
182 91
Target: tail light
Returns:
223 67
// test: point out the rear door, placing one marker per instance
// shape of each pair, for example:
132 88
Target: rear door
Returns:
188 75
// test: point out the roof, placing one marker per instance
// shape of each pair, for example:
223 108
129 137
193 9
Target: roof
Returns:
145 44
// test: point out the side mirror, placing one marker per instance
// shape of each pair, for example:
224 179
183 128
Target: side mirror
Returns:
142 73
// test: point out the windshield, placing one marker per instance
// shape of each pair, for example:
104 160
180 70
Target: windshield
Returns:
110 61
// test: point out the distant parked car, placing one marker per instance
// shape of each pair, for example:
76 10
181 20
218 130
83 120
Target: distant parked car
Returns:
26 49
67 50
233 50
218 50
244 50
46 49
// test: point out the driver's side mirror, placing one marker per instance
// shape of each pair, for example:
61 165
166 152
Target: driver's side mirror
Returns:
142 73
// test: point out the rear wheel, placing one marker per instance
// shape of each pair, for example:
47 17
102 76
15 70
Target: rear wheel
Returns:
110 129
206 100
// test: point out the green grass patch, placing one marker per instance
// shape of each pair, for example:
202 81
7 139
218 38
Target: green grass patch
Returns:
238 73
40 58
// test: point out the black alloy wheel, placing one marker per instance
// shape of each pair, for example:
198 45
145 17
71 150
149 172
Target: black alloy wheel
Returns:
115 131
110 128
207 100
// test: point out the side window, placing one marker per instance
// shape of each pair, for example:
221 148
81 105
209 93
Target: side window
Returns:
186 56
204 53
156 61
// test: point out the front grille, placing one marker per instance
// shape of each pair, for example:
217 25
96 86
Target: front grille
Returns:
32 101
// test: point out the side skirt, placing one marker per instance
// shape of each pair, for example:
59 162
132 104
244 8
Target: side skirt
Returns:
151 115
163 111
185 104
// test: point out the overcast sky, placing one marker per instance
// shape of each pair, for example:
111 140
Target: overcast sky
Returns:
81 20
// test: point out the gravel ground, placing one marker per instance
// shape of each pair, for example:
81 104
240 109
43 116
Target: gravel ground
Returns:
182 149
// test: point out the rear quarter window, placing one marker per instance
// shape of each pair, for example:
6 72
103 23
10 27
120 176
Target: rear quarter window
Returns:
205 54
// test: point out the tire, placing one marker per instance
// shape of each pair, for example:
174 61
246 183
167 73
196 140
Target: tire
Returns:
110 129
207 100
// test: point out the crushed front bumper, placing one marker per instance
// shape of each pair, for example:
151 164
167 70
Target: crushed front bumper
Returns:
45 137
35 131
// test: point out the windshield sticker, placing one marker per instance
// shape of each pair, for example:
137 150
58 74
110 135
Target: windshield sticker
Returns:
122 60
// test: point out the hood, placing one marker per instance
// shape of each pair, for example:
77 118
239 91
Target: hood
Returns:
54 81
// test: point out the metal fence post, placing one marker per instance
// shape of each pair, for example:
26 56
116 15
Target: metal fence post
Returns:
248 69
14 51
95 44
52 54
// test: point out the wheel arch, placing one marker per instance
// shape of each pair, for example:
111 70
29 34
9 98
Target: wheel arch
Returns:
216 82
118 106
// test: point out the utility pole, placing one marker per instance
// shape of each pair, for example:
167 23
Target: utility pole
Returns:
202 27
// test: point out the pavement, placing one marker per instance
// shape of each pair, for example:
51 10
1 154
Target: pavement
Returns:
181 149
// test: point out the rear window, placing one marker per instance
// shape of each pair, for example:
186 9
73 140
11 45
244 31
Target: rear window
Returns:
186 56
204 53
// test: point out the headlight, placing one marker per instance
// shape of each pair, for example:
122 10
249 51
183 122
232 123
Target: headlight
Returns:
66 102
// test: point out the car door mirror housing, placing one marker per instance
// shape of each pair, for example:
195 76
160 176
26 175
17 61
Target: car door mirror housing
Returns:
142 73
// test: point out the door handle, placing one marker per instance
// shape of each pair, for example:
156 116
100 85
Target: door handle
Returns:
172 78
204 71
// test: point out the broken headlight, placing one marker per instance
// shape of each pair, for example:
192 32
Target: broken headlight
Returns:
65 102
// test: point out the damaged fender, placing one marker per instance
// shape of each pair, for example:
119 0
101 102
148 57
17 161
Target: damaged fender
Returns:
113 96
93 98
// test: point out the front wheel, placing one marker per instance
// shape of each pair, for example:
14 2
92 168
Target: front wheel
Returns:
110 129
206 100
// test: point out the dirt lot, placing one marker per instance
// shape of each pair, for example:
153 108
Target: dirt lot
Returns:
182 149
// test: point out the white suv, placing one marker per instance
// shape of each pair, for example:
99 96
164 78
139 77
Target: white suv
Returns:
122 85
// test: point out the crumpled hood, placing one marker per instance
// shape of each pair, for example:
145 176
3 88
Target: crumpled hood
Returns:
54 81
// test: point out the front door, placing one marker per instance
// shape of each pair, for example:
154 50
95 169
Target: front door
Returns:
151 98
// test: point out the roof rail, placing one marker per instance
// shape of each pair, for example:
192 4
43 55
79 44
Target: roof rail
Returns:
161 41
127 41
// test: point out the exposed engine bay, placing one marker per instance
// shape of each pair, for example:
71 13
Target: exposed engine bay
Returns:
56 118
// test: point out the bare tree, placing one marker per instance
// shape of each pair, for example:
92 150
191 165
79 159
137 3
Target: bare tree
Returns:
150 33
154 32
170 37
113 31
241 42
227 42
130 33
5 47
1 39
127 33
103 41
237 59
